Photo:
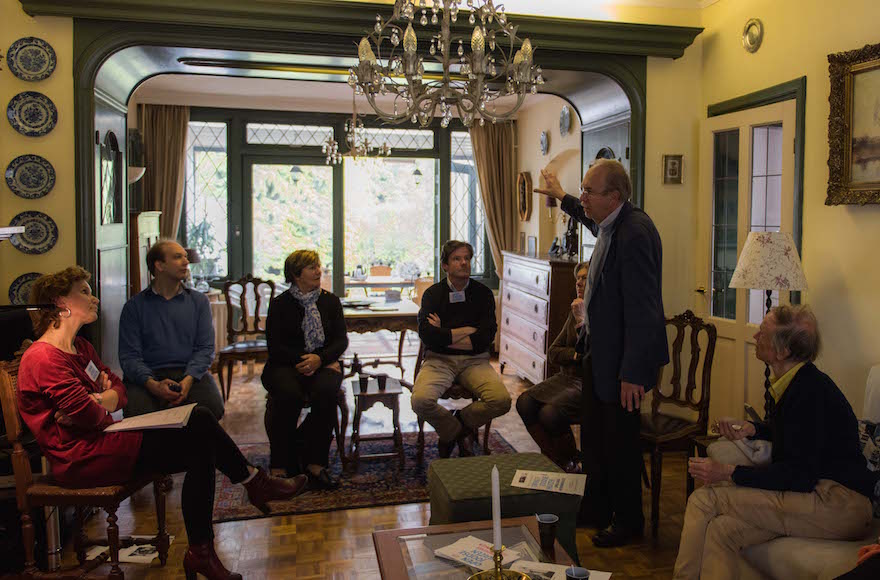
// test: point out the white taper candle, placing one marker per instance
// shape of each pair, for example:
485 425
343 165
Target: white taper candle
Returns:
496 508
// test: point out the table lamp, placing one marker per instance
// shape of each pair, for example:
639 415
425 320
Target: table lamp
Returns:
769 261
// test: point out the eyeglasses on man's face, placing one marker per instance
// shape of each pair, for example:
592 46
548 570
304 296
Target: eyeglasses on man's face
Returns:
587 191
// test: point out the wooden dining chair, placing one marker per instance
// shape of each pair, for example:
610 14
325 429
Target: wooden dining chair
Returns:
32 492
454 392
662 432
246 332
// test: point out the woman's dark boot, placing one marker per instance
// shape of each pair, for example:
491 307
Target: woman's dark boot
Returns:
264 488
202 559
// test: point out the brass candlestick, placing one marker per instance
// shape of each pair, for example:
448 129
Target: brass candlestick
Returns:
498 572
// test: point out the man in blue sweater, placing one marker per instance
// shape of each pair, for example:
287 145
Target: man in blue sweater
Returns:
817 484
166 339
457 325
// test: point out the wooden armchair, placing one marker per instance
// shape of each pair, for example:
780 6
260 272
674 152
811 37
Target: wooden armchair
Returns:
246 326
40 491
661 432
456 391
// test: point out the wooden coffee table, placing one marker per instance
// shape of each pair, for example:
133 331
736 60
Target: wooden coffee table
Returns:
408 553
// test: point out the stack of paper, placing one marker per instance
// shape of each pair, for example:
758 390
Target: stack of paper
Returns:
172 418
475 553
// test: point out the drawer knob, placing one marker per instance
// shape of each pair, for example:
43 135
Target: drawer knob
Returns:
537 279
533 364
508 271
508 295
505 347
534 336
536 308
507 321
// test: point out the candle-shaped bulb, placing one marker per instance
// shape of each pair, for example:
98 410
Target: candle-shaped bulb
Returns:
496 509
518 58
410 43
365 51
478 42
527 50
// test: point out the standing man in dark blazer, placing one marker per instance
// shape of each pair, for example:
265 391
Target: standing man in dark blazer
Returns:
623 341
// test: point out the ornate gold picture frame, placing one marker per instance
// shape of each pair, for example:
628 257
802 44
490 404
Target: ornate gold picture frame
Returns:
854 127
524 195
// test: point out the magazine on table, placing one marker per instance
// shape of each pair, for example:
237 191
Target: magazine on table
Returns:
475 553
570 483
544 571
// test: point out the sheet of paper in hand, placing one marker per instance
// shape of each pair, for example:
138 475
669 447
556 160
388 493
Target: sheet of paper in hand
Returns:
173 418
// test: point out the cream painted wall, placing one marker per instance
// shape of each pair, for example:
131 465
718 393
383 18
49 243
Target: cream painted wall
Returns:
840 243
57 147
564 157
672 127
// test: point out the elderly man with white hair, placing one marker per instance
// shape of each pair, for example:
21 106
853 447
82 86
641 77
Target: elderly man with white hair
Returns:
817 484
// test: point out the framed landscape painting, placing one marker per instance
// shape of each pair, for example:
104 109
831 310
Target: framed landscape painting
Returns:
854 127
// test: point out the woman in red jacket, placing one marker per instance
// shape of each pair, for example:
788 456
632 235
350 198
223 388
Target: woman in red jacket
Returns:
66 395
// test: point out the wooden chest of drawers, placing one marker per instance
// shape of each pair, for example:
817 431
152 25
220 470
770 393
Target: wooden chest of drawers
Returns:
536 295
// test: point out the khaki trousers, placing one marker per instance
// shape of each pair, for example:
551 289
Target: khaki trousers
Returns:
722 519
474 373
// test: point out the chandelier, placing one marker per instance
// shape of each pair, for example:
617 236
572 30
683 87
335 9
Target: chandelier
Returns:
492 69
359 144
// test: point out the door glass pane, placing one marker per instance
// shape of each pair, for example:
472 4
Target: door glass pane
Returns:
725 185
206 198
389 222
466 218
292 210
766 207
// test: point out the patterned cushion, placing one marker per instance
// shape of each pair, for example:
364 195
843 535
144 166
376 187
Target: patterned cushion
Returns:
869 440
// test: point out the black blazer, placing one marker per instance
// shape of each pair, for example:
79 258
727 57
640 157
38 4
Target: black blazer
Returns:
815 436
627 324
284 333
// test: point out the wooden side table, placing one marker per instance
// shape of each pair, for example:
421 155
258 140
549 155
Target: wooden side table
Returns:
390 397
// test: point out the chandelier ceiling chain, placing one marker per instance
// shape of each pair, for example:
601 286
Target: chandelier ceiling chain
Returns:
357 139
492 69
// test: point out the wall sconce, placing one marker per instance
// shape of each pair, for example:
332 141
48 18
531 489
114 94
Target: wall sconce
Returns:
550 203
295 174
417 175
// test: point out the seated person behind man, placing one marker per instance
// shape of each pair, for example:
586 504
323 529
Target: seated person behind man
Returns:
549 408
817 484
457 325
166 339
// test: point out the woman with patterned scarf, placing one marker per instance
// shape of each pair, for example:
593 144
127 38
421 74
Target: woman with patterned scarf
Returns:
305 331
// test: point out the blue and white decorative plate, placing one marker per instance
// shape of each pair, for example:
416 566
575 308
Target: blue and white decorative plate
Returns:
31 59
32 114
40 232
20 289
30 176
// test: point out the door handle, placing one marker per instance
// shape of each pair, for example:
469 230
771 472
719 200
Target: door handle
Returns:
700 290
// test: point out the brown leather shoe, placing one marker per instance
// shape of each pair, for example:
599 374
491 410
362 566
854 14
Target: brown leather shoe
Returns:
265 488
202 559
466 437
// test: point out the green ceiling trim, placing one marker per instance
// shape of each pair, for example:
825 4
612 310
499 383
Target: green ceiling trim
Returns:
349 21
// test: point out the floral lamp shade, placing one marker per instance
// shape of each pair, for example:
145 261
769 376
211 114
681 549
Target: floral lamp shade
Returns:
769 261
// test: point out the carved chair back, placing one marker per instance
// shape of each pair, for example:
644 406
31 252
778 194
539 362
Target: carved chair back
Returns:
249 294
21 465
699 369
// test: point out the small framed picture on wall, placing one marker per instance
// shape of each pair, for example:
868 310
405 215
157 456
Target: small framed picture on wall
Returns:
522 242
532 247
672 169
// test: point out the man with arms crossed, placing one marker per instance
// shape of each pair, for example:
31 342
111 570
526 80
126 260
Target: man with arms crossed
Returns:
457 325
623 340
166 339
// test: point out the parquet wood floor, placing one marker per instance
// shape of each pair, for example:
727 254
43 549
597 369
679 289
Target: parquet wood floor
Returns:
339 544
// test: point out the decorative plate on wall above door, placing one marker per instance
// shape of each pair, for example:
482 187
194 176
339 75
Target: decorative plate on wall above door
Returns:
564 120
545 142
753 34
31 59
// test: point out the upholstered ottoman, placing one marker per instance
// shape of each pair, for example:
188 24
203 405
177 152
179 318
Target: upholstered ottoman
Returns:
461 491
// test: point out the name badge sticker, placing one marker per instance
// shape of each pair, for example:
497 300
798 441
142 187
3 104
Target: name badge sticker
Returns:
92 371
455 297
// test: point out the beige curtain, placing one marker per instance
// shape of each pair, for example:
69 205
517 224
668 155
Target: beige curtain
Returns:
496 168
165 130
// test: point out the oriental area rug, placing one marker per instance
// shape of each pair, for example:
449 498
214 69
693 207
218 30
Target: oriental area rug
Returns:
373 483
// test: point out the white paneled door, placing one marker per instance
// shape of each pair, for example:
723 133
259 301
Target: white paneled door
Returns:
746 184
